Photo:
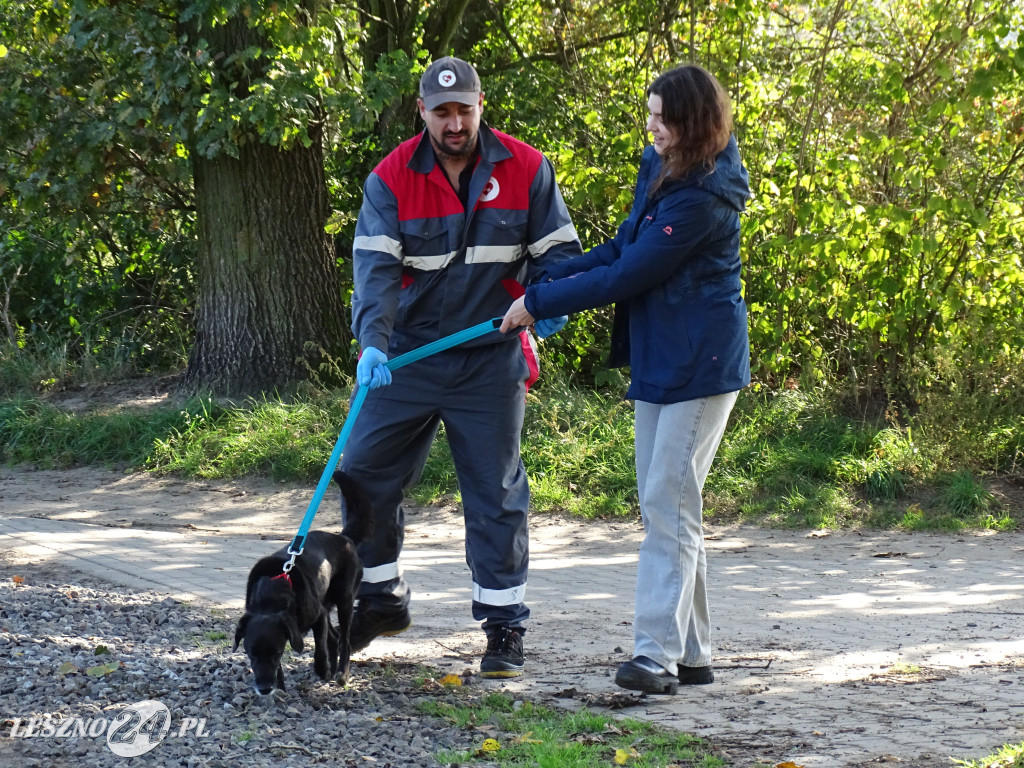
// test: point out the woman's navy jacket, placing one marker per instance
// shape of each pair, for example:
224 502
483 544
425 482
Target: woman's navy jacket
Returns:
673 271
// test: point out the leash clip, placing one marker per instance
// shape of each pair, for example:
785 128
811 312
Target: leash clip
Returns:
294 549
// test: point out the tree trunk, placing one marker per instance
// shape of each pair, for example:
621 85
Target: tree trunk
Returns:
270 305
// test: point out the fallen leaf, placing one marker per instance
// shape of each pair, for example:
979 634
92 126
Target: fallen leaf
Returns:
18 579
103 669
454 680
66 668
621 755
788 765
525 739
589 738
489 746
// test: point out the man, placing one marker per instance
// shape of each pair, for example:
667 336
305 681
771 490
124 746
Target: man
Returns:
453 223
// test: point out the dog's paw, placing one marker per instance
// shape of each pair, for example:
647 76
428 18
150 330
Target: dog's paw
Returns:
322 669
342 678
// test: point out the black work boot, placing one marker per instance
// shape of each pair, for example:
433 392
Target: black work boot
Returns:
695 675
371 620
504 654
647 675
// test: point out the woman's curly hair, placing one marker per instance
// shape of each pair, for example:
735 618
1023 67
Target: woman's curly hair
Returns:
697 108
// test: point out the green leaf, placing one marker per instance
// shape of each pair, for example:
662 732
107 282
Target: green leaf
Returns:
103 669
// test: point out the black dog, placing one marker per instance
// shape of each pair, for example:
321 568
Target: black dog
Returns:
281 608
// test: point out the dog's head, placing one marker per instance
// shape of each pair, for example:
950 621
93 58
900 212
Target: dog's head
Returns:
264 636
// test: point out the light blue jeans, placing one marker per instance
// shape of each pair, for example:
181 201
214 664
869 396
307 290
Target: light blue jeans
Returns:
675 445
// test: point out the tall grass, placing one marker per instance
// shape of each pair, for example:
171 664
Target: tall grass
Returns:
34 431
283 440
789 459
51 362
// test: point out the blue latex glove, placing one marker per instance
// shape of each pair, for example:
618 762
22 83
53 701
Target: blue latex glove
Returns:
371 370
550 326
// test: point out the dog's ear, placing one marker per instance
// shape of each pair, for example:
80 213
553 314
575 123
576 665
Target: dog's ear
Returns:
294 636
240 629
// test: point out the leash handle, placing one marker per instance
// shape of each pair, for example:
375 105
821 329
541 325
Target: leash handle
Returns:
460 337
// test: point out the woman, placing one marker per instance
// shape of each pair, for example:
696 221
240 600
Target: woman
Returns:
673 271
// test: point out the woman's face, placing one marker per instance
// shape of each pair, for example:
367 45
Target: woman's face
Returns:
663 135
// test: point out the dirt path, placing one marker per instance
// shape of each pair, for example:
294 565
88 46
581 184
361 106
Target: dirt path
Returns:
840 649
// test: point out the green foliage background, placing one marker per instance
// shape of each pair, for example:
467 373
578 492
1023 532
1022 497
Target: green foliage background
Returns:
885 143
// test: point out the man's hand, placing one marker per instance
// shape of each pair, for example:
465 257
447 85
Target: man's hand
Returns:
550 326
516 316
371 370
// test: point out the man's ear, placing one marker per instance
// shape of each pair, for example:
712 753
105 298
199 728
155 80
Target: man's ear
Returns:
422 108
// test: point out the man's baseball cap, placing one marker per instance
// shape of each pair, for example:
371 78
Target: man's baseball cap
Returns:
449 79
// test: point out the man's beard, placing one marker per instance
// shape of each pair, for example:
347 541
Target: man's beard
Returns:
467 148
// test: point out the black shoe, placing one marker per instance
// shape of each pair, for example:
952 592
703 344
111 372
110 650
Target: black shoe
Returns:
695 675
370 621
647 675
504 654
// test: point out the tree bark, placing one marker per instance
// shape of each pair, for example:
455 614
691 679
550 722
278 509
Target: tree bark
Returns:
270 305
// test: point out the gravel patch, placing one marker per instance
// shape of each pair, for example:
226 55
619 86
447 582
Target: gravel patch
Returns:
77 651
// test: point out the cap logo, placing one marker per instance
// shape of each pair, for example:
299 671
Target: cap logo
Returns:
491 190
446 78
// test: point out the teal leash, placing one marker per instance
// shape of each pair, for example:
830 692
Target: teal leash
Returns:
461 337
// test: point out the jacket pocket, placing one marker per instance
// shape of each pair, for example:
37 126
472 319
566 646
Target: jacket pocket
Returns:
425 244
498 236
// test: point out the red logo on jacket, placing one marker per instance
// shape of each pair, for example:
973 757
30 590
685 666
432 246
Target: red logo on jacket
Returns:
667 230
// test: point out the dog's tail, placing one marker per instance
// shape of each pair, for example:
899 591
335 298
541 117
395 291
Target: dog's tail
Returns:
358 513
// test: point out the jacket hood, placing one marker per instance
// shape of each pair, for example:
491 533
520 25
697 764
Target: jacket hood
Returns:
729 181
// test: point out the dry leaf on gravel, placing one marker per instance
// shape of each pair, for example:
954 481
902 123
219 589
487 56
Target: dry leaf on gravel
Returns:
103 669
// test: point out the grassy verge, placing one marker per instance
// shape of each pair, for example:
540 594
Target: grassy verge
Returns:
788 459
1010 756
521 733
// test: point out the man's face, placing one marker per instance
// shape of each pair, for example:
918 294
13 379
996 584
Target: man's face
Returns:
453 126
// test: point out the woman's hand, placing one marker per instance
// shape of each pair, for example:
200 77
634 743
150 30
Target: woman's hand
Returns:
516 316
